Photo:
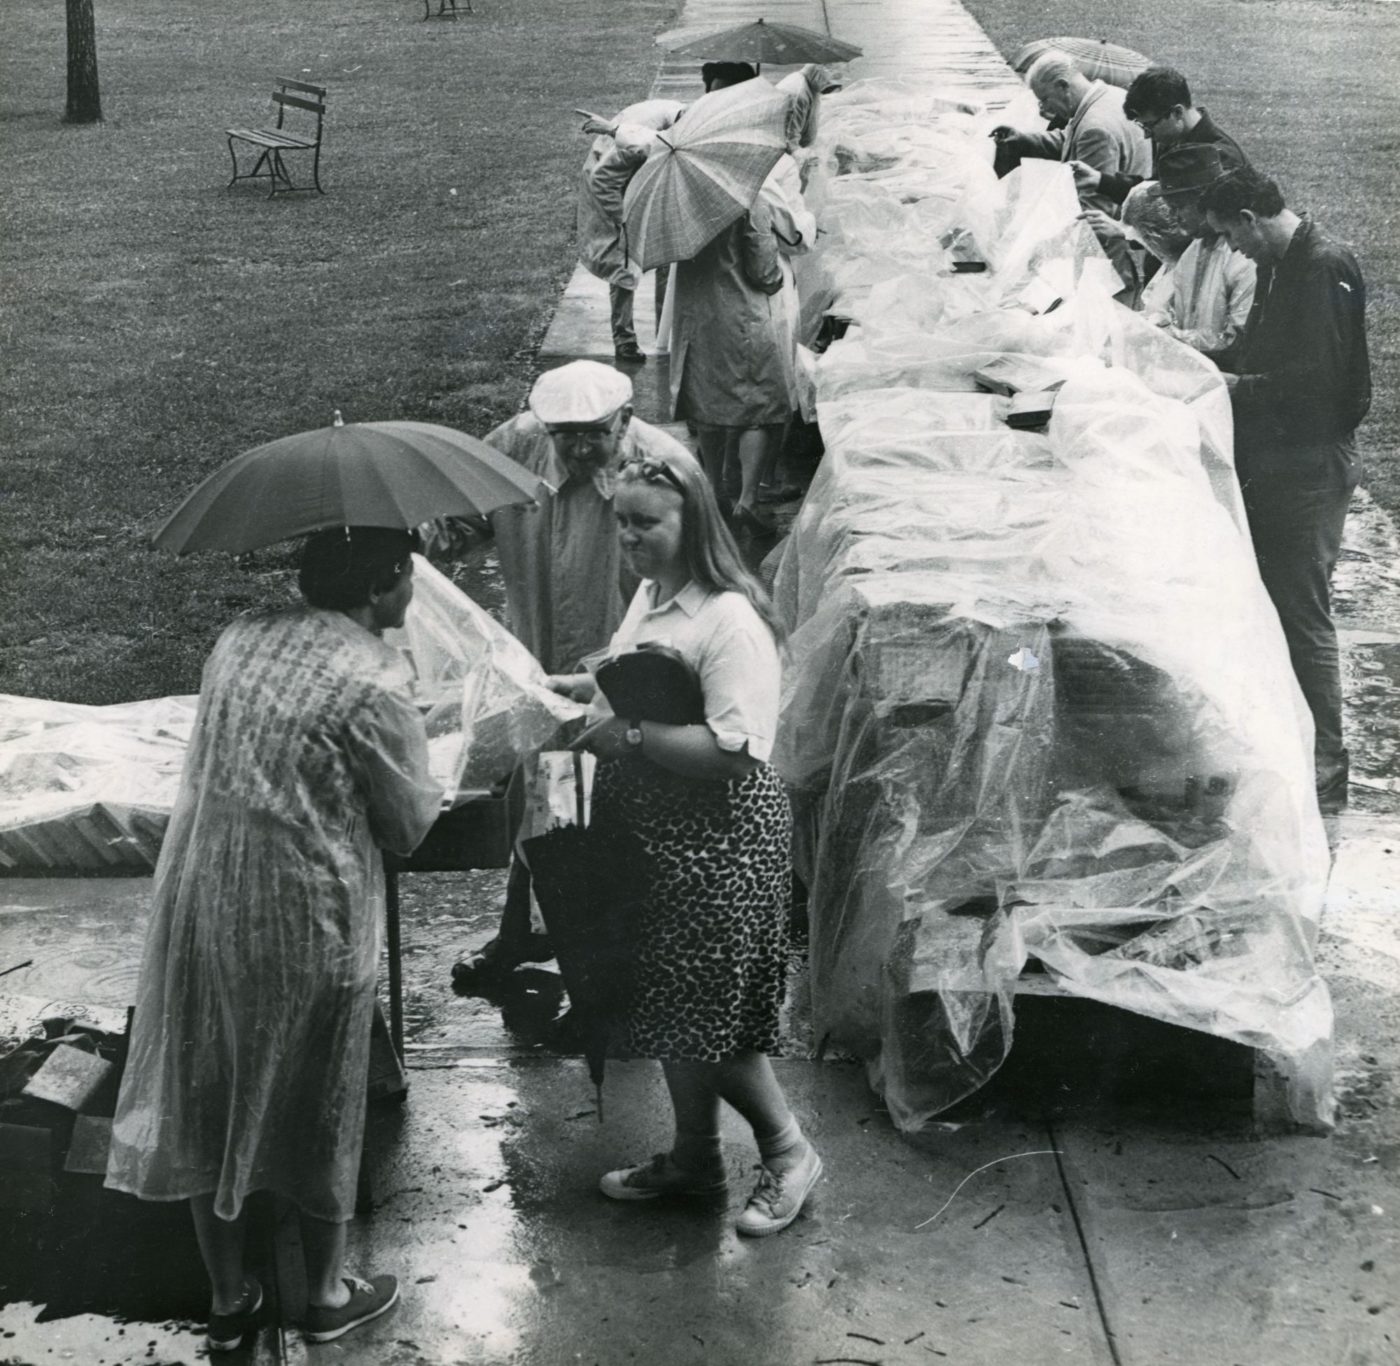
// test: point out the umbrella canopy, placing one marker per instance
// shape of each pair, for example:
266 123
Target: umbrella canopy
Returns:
760 41
586 881
394 474
706 174
1097 59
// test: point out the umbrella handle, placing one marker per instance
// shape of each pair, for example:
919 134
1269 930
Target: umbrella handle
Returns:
578 789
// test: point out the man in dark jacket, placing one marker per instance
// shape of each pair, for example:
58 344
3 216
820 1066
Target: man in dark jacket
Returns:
1303 383
1159 102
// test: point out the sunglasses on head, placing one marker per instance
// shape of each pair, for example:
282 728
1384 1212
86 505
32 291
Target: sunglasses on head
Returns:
655 472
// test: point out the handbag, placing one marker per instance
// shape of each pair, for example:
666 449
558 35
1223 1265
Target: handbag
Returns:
653 683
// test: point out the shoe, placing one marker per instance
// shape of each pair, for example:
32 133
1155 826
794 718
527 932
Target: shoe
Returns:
753 522
227 1331
493 959
368 1300
631 354
1332 790
658 1177
779 1196
779 493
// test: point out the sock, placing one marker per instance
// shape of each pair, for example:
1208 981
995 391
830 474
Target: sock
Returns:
786 1143
697 1152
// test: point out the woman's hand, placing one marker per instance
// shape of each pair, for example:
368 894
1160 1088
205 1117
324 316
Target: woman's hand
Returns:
607 739
576 687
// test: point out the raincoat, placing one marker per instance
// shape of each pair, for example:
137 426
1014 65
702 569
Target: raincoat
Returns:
610 165
566 584
730 365
795 228
1212 291
249 1052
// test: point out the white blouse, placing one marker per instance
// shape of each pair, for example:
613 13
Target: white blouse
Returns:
729 646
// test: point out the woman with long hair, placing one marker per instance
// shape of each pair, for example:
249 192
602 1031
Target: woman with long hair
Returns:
714 821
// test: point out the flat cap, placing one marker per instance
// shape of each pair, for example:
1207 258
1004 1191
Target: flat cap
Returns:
583 391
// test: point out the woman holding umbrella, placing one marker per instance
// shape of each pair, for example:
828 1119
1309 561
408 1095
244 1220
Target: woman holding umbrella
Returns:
250 1044
713 818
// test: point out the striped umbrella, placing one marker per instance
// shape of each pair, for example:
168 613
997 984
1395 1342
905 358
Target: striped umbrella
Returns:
1097 59
760 41
706 173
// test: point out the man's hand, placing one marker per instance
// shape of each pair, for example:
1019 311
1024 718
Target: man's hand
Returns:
1102 224
1004 132
595 123
1086 178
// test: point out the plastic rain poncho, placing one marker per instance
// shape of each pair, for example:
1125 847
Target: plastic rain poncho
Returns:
249 1051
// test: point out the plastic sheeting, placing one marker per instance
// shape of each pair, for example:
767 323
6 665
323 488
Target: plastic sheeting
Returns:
92 788
1039 714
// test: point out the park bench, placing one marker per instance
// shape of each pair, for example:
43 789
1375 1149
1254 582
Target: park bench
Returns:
275 142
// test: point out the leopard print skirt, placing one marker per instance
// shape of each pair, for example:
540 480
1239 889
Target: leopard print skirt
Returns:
711 962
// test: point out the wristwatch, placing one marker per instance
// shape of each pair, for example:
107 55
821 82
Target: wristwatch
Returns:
633 735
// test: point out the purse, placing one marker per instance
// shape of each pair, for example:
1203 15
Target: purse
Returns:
653 683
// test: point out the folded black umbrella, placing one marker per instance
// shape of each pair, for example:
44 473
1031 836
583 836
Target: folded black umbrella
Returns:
588 880
653 683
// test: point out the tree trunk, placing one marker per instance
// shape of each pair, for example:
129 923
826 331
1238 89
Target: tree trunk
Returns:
84 97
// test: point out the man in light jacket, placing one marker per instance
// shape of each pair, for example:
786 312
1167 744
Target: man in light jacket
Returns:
1097 133
1212 284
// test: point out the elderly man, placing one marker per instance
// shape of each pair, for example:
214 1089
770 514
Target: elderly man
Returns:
1159 102
1097 133
1301 387
617 153
566 586
1210 290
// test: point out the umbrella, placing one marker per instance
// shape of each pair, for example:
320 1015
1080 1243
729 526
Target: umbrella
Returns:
586 880
1097 59
707 173
760 41
395 474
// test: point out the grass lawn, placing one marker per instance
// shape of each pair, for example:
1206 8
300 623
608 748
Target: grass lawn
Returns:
156 324
1310 91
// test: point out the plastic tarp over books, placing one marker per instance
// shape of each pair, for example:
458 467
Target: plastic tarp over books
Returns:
1039 707
91 789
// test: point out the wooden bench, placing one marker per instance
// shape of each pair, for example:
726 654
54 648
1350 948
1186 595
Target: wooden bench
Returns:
276 142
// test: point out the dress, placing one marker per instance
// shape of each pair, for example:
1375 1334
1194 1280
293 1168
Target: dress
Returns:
729 363
250 1044
711 963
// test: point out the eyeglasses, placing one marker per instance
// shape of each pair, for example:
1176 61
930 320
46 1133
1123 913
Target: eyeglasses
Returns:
1148 122
655 472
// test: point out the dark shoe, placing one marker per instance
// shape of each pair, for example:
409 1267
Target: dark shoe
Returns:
368 1300
659 1177
227 1331
752 522
631 354
779 493
496 959
779 1196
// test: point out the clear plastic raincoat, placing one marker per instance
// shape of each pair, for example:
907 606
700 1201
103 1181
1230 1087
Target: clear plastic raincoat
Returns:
250 1041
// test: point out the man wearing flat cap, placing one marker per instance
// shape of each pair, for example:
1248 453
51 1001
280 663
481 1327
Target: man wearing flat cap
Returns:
567 588
1301 386
1211 286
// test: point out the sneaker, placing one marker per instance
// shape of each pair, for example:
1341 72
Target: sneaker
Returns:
227 1331
779 1196
658 1177
368 1300
631 354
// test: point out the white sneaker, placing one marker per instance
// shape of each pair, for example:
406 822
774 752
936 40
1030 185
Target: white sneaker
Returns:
779 1196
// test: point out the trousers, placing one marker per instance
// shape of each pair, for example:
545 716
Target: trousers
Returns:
621 302
1296 522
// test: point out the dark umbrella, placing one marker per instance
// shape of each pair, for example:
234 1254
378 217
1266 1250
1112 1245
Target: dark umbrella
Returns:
587 881
760 41
395 474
